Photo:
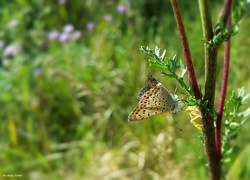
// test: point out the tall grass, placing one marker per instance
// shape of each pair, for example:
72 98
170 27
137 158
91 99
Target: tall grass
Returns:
64 106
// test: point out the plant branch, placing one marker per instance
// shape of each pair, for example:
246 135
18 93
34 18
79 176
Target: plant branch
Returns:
210 54
227 11
209 94
226 17
222 97
185 47
211 144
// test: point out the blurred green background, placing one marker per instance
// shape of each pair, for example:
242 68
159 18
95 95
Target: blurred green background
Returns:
70 74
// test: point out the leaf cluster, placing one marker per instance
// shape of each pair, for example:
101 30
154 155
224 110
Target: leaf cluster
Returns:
232 123
223 33
170 64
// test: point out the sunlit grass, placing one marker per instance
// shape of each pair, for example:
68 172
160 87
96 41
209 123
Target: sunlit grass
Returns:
64 108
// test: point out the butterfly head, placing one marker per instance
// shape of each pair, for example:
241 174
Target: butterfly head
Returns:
152 81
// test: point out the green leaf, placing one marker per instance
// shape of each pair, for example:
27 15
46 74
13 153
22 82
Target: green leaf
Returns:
226 160
183 69
169 75
232 137
201 138
171 64
234 125
156 64
157 51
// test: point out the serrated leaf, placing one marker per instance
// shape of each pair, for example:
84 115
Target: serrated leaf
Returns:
226 146
143 49
234 125
222 25
232 137
245 120
183 69
163 55
157 51
147 51
201 138
226 160
235 149
156 64
169 75
226 123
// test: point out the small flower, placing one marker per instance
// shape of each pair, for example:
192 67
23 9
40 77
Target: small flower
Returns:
53 35
76 35
1 44
11 50
64 37
121 9
90 26
68 28
108 17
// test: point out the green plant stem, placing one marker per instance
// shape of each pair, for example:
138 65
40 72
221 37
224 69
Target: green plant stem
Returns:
185 47
209 94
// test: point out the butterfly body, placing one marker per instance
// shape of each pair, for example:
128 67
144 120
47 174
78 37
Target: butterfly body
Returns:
154 99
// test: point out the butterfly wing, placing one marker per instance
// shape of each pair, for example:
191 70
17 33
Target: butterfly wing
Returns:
140 113
174 103
143 91
154 101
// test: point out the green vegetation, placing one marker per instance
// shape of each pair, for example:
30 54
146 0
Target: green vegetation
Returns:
69 76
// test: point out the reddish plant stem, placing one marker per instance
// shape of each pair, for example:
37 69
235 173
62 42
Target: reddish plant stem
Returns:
226 11
222 95
210 78
226 19
185 47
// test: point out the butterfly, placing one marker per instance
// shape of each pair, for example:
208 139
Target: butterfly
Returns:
155 99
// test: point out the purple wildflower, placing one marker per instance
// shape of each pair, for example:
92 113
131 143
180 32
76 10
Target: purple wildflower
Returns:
11 50
121 9
76 35
53 35
68 28
90 26
64 37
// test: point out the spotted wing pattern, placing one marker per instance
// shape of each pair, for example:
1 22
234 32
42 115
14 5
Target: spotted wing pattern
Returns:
154 99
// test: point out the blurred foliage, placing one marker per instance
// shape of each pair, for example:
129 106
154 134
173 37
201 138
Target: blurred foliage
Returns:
65 103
